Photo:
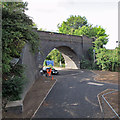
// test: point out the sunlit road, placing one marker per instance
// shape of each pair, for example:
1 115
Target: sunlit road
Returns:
73 96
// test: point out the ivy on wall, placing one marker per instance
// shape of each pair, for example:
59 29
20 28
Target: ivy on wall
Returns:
17 30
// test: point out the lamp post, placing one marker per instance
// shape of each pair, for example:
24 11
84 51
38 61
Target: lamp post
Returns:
116 43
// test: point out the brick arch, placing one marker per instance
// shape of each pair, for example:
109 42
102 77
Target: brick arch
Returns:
71 59
72 47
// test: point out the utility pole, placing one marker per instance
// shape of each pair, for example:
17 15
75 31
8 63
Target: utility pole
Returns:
117 43
94 55
60 59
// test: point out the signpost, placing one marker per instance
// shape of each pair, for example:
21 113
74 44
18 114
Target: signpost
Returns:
60 59
94 54
48 62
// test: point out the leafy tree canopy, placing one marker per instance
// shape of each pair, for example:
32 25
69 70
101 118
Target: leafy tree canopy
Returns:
16 31
56 56
72 23
77 25
105 59
108 59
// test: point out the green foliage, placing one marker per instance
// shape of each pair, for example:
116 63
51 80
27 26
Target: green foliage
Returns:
55 55
85 64
94 32
12 84
85 30
45 64
18 69
108 59
77 25
41 29
103 59
72 23
88 64
17 30
12 88
15 6
101 40
91 54
62 65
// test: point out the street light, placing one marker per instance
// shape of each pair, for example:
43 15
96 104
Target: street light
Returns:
116 43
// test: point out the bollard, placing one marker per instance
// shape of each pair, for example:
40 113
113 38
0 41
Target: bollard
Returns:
52 77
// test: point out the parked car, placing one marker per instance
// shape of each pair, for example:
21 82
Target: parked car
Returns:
54 71
44 71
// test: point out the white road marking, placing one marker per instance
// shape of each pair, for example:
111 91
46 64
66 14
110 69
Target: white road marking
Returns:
92 83
71 87
74 104
70 112
86 98
75 74
84 79
43 100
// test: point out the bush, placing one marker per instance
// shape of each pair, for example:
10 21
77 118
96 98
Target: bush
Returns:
87 64
63 65
18 69
12 88
12 84
108 59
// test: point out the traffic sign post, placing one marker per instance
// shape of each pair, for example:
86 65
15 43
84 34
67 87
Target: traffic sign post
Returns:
94 54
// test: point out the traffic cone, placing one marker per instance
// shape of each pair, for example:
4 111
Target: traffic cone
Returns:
52 77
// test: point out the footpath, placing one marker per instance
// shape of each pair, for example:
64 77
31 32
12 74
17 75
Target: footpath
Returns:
33 99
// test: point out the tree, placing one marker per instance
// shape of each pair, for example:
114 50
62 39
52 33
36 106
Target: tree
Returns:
85 30
77 25
55 55
94 32
72 23
101 37
108 59
16 32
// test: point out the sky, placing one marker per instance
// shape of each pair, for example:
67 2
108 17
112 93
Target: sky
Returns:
47 14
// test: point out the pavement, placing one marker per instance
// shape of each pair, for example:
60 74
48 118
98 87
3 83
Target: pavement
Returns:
73 96
33 99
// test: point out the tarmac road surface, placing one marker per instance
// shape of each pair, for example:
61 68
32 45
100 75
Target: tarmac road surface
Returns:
73 96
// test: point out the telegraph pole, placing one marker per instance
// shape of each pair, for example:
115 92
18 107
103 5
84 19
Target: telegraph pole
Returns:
94 54
60 59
